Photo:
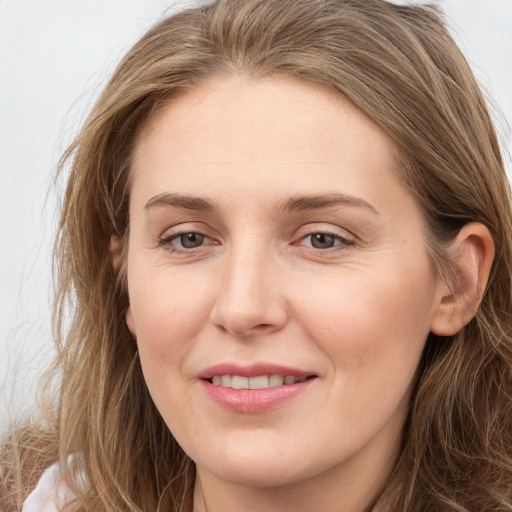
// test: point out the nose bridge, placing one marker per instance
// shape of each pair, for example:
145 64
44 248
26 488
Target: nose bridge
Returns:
248 300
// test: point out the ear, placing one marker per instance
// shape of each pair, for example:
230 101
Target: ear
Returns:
115 255
130 323
471 255
115 250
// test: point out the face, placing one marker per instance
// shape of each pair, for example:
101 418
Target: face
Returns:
280 289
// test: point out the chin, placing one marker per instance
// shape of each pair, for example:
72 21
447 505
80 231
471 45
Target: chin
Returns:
259 475
257 467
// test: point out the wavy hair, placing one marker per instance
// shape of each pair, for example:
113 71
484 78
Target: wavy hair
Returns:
400 67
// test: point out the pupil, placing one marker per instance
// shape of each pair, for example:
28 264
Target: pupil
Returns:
322 241
191 240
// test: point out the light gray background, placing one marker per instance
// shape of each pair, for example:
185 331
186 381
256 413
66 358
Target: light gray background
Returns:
54 57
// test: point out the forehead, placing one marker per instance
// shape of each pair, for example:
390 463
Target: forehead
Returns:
280 131
292 108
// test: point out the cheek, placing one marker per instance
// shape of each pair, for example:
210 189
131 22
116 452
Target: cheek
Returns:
373 337
372 328
168 310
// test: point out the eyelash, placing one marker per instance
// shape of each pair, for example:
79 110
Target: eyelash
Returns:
167 241
340 242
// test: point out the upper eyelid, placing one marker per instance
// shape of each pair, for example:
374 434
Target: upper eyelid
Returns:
167 242
169 235
301 232
320 227
172 236
185 227
176 234
328 233
344 241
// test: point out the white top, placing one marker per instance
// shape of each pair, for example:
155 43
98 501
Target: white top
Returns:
51 494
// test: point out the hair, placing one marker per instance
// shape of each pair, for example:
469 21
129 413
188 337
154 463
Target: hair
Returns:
401 68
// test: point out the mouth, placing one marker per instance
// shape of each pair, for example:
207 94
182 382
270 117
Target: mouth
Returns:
255 388
258 381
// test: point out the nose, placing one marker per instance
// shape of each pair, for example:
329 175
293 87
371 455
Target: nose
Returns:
249 300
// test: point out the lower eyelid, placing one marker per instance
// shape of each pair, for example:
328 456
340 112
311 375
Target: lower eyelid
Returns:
168 242
342 240
168 239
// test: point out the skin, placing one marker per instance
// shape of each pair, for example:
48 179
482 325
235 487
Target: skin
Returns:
356 315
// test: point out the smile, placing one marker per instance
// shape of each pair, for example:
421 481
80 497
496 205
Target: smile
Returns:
256 382
256 388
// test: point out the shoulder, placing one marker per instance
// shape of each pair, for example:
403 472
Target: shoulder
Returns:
51 494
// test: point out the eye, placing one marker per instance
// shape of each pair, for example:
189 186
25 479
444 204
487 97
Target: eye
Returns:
323 241
188 240
184 241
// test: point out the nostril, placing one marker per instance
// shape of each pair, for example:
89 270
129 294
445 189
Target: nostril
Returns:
262 327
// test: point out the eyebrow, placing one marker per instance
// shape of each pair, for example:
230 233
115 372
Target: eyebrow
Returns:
201 204
294 204
313 202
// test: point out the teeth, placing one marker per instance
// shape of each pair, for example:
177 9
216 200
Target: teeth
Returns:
225 381
238 382
275 380
258 382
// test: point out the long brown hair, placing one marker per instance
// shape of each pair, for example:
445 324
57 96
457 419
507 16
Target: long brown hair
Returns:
400 67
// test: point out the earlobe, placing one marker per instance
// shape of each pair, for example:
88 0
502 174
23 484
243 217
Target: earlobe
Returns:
115 255
130 323
471 256
115 252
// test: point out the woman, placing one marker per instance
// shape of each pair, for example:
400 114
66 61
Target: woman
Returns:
286 248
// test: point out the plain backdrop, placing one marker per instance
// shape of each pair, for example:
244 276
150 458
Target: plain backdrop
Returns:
55 55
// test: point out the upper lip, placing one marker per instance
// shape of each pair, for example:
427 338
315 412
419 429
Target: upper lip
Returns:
252 370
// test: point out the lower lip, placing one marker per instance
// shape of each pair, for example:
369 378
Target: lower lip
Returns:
254 400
